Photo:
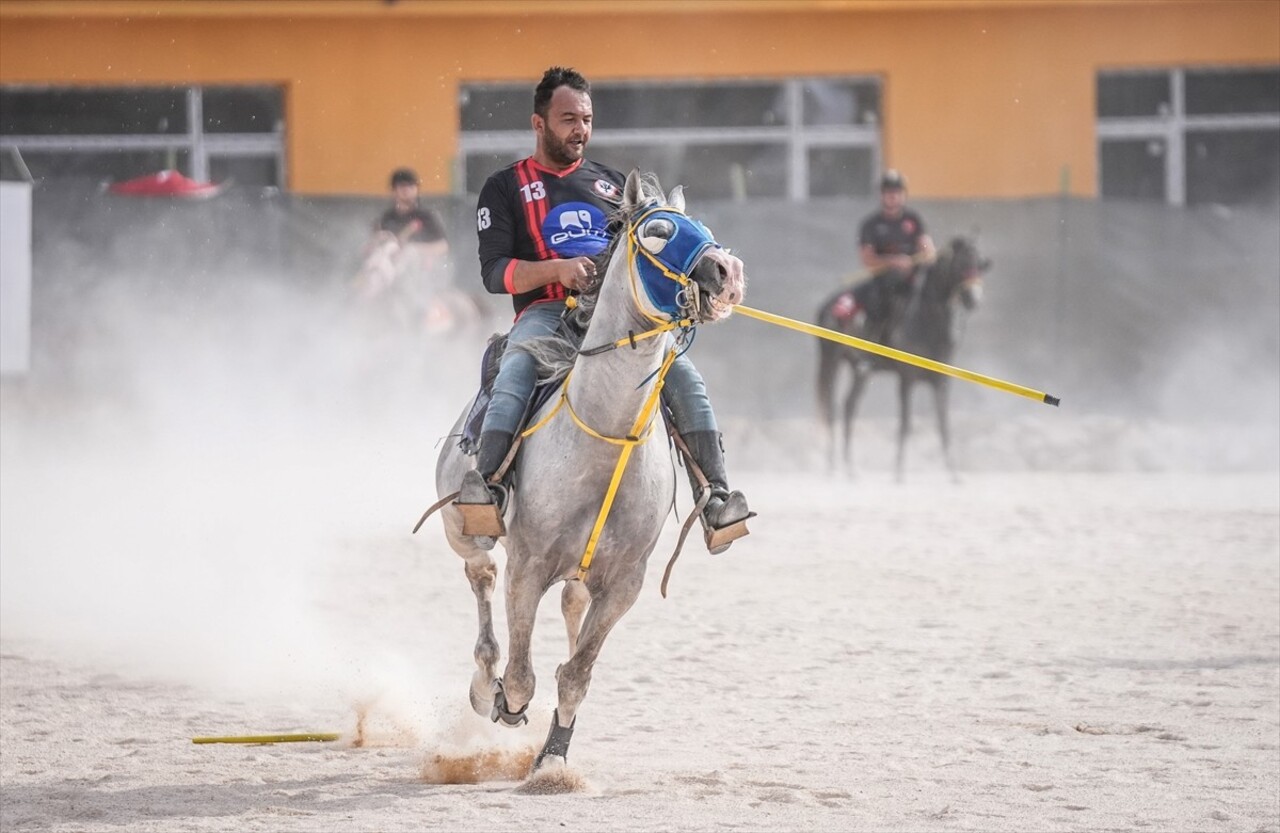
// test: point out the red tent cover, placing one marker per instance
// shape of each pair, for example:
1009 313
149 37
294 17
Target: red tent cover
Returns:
165 184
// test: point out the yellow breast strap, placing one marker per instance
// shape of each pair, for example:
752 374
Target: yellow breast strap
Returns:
640 432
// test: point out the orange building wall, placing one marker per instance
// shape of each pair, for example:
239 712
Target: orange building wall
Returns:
980 99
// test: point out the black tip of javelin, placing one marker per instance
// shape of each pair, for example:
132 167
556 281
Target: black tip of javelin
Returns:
1051 400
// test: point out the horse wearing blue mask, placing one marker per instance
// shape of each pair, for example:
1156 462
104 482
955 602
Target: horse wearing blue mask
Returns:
575 515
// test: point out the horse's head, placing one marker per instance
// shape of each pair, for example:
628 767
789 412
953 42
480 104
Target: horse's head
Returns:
677 268
965 268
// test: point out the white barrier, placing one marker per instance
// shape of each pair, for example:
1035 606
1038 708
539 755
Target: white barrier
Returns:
15 278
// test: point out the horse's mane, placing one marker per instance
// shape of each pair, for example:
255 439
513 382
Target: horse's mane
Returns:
555 354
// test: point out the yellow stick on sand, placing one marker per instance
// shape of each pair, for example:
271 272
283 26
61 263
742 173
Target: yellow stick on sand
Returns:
307 736
897 355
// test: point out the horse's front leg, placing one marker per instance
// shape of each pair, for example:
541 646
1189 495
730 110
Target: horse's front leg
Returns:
941 401
573 605
482 573
514 691
904 421
608 605
829 362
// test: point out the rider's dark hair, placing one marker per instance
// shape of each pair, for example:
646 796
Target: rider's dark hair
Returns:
551 80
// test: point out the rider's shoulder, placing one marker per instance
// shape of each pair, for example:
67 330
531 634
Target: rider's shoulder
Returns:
599 171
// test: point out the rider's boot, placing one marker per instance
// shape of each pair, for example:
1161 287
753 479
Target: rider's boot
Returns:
481 502
724 518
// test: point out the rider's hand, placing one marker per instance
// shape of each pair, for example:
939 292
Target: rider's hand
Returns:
576 271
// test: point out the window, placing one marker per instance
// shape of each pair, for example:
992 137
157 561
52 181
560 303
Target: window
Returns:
1134 94
1233 166
1220 92
85 112
119 133
721 140
1133 169
1190 136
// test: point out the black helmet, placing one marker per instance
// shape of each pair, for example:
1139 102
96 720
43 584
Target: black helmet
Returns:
404 176
893 180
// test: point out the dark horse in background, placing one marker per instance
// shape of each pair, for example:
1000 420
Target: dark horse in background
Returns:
929 326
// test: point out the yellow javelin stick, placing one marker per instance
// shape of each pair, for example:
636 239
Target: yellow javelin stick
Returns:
897 355
308 736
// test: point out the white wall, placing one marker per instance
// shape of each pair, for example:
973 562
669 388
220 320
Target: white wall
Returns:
15 278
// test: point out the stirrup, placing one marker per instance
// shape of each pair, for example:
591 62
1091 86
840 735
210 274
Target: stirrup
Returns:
481 505
719 538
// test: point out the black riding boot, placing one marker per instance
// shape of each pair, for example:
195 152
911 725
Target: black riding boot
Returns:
494 446
483 503
724 517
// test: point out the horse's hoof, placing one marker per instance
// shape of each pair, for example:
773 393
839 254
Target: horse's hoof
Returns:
499 713
479 705
549 762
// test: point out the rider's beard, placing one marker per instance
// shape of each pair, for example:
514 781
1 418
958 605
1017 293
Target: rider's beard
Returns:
560 152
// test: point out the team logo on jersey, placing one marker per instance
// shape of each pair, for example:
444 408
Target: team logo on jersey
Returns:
607 189
909 226
574 229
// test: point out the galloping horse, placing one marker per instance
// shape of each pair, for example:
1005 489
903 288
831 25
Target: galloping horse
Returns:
930 327
568 475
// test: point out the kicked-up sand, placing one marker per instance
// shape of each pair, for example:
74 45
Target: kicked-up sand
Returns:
1021 651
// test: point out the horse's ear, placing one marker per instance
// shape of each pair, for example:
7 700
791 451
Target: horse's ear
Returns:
631 191
676 198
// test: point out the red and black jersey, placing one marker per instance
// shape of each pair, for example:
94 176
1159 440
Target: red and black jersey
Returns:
528 212
892 235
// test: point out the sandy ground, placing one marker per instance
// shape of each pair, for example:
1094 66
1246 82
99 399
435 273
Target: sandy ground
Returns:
205 507
1024 651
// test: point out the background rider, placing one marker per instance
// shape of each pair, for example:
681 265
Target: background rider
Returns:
408 249
893 245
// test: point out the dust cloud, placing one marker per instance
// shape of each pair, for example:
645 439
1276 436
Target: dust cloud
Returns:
196 447
211 421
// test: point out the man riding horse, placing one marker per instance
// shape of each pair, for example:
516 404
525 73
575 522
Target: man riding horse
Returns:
893 245
540 222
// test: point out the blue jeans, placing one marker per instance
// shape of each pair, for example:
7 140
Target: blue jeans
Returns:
684 392
518 373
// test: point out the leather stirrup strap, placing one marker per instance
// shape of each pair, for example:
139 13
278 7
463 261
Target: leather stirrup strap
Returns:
694 513
506 461
684 533
431 509
688 457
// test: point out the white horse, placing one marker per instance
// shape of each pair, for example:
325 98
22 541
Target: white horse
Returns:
576 514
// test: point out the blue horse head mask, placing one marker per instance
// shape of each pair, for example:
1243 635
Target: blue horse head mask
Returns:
668 244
